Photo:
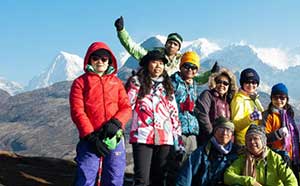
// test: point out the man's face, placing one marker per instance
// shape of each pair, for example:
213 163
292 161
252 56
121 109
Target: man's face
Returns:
188 71
172 47
223 135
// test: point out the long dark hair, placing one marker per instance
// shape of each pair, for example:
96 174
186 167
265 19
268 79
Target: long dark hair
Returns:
146 83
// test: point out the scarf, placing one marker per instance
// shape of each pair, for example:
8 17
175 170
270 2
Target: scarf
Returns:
251 162
284 122
109 70
222 149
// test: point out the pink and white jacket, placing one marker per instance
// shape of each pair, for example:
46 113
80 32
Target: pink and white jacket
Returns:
155 118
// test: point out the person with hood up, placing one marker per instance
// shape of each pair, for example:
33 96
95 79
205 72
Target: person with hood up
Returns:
280 126
215 102
245 106
155 125
100 108
206 165
171 51
259 165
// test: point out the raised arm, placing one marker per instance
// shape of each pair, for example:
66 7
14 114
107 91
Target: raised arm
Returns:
134 49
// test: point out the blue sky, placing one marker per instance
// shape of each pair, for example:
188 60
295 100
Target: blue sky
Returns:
33 32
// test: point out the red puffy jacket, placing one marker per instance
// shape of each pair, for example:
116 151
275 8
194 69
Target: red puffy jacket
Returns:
96 99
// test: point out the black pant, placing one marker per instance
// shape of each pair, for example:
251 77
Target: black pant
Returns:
150 164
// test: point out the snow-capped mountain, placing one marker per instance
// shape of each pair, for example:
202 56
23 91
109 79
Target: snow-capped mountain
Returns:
239 57
10 86
64 67
202 46
272 64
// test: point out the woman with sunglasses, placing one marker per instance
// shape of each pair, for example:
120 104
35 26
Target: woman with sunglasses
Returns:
214 102
282 132
245 106
100 108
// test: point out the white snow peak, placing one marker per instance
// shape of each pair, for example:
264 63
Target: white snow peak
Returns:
64 67
10 86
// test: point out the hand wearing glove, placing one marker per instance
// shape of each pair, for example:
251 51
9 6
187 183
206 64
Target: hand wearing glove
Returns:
179 149
282 132
180 153
256 115
215 68
119 24
111 128
99 148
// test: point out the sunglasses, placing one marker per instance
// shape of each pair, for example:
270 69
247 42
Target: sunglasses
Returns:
281 97
251 82
219 81
189 66
104 59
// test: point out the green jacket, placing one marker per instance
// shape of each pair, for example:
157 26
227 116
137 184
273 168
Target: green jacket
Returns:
277 172
137 51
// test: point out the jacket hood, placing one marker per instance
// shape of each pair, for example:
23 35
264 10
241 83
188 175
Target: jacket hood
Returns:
212 82
96 46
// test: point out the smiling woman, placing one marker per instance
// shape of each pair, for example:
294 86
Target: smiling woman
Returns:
215 101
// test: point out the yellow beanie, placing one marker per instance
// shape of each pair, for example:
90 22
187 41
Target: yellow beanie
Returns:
190 57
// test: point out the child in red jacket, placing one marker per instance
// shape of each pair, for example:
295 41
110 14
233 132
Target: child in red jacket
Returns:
100 109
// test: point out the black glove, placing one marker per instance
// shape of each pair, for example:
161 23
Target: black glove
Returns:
215 68
119 24
179 155
111 127
99 148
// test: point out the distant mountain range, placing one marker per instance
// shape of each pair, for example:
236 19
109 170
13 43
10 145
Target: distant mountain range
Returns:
273 65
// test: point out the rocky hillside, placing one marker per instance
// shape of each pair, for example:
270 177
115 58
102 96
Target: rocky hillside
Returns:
17 170
38 123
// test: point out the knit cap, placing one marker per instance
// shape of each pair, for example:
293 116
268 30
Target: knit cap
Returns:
223 122
190 57
279 88
175 37
258 130
247 75
153 55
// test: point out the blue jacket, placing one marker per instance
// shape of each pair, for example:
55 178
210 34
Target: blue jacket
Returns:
189 123
205 166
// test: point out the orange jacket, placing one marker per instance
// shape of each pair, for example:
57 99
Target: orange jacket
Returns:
272 124
96 99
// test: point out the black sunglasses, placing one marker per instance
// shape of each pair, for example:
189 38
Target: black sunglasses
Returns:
281 97
251 82
189 66
219 81
102 58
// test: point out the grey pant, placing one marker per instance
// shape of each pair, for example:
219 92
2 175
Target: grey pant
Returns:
190 144
174 164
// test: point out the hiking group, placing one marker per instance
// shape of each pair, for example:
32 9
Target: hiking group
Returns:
179 136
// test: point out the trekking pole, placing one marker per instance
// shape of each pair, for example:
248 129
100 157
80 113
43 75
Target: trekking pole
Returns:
100 171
